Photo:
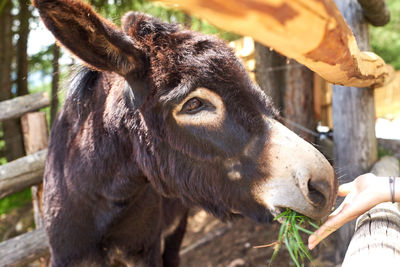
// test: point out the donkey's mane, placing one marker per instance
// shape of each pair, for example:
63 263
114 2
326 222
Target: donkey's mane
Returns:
81 87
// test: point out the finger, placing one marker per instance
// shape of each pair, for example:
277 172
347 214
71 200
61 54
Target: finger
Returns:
345 189
340 208
324 231
334 222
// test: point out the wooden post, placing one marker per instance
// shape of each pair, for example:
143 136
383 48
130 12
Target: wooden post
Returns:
353 121
34 129
36 137
376 240
270 73
299 101
290 86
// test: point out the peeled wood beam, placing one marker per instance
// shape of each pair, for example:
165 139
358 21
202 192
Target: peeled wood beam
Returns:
24 249
16 107
22 173
312 32
375 11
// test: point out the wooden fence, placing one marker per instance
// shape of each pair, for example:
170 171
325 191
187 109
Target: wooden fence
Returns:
26 172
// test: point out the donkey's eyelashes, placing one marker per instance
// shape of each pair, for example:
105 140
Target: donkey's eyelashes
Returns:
192 106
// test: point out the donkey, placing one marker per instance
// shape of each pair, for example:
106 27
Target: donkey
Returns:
160 119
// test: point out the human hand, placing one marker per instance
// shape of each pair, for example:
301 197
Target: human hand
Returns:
365 192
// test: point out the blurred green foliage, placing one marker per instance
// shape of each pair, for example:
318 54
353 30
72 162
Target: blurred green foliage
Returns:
2 147
116 8
384 152
385 41
15 201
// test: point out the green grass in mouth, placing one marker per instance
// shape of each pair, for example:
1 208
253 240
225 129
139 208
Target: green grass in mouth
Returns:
289 234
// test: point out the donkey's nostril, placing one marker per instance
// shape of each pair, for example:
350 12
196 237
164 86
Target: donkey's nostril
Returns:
315 192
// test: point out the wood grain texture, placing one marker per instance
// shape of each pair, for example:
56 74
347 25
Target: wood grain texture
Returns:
312 32
36 138
377 237
24 249
22 173
353 114
16 107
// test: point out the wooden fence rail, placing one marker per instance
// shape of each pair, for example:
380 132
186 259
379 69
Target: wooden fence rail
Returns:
16 107
313 32
22 173
24 249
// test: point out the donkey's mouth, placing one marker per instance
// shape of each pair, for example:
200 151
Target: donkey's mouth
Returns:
276 211
279 210
298 176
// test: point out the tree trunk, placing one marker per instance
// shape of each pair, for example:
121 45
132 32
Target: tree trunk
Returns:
54 84
11 128
22 55
290 86
6 51
353 121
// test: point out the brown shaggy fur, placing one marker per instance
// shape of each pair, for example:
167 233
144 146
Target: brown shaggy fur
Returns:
120 171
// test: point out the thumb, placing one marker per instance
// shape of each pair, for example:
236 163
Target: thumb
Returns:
345 189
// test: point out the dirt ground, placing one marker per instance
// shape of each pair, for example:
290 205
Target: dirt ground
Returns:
234 244
208 241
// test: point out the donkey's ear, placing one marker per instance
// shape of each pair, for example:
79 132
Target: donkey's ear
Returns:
148 31
95 40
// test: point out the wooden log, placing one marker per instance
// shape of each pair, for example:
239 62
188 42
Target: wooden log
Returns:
24 249
22 173
375 11
16 107
34 129
290 85
36 137
270 73
298 101
353 116
312 32
376 240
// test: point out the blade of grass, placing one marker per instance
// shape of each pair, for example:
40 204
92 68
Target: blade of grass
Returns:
304 230
292 224
313 224
291 251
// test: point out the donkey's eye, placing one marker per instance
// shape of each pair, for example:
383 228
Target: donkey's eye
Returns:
193 105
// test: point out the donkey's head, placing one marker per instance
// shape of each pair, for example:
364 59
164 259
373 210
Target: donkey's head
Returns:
213 139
